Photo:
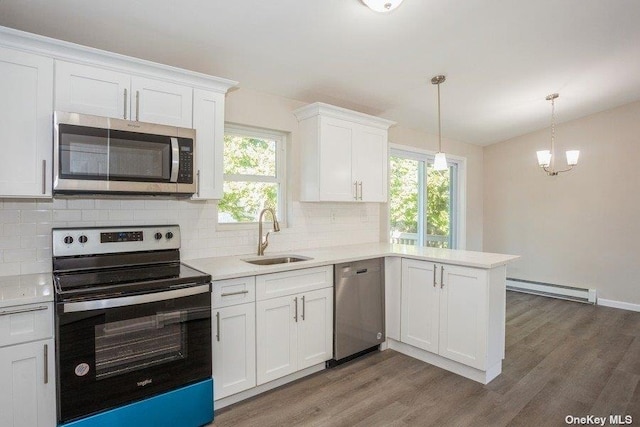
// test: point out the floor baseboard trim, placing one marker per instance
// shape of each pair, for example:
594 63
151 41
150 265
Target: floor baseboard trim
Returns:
619 304
554 291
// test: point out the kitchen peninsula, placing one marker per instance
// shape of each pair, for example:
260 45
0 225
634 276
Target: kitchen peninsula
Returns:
444 307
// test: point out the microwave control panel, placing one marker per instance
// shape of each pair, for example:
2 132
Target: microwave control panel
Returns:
185 170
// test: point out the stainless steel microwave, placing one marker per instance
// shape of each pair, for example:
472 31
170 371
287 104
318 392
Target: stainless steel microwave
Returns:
101 155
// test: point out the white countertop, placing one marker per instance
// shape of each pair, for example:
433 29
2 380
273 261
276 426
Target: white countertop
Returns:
233 266
25 289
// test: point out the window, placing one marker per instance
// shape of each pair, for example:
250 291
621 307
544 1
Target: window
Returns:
253 174
424 204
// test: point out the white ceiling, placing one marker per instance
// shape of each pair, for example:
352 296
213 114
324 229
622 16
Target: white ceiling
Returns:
501 57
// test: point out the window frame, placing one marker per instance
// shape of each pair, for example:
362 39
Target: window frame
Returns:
458 180
280 178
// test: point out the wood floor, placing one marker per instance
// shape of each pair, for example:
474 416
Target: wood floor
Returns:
562 358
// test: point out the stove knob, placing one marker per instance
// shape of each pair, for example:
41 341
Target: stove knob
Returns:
83 239
158 236
68 240
169 235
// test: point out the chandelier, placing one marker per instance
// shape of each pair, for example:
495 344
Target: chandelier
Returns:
546 157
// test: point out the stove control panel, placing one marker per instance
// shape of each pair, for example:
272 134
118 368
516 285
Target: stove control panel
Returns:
102 240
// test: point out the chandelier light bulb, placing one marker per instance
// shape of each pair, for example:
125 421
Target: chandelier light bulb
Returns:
544 158
572 157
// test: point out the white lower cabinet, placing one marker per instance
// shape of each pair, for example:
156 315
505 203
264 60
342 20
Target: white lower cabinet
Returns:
315 328
294 331
234 336
27 366
234 349
444 311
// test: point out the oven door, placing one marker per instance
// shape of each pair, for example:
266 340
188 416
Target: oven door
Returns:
119 350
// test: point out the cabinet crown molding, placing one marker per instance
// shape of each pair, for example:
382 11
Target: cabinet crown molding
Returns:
59 49
327 110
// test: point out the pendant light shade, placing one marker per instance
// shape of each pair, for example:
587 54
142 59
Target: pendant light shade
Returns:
440 162
382 6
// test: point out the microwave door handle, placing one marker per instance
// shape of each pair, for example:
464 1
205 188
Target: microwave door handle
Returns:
175 159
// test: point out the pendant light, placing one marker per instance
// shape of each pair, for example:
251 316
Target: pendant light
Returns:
440 162
546 157
382 6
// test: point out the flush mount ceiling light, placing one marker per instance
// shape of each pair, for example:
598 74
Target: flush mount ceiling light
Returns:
383 6
546 157
440 162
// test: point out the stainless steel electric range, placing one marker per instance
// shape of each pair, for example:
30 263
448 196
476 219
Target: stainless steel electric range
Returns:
133 329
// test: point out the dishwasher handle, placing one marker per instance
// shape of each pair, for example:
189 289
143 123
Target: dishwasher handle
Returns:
362 271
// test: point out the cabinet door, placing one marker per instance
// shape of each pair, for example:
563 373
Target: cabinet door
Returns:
369 156
315 327
27 395
276 338
25 124
234 349
420 305
463 315
91 90
156 101
208 121
336 180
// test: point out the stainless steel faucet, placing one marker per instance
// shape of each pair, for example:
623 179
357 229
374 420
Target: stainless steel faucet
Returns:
262 245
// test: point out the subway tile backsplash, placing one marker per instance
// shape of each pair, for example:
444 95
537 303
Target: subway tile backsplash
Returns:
25 227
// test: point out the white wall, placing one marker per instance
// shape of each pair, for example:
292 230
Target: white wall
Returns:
580 228
25 225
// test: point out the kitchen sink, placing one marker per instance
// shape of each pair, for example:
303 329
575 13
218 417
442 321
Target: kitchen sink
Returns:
283 259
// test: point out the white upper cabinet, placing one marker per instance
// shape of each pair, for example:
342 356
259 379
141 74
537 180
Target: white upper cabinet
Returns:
90 81
156 101
92 90
344 155
208 121
101 92
25 124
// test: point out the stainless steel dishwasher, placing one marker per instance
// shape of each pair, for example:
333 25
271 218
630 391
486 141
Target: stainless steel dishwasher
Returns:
358 322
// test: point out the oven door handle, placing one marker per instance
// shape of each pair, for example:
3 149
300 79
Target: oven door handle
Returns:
71 307
175 159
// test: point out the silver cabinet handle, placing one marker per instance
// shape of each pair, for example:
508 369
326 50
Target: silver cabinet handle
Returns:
46 364
228 294
295 301
218 326
441 277
435 268
44 177
360 190
355 184
124 115
137 106
23 310
198 183
303 308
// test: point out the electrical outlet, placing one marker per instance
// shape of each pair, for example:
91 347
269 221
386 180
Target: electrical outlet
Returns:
332 216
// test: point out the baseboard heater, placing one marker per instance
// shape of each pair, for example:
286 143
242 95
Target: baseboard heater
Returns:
570 293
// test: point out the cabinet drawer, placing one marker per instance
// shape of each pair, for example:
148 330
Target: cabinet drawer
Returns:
24 323
234 291
291 282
